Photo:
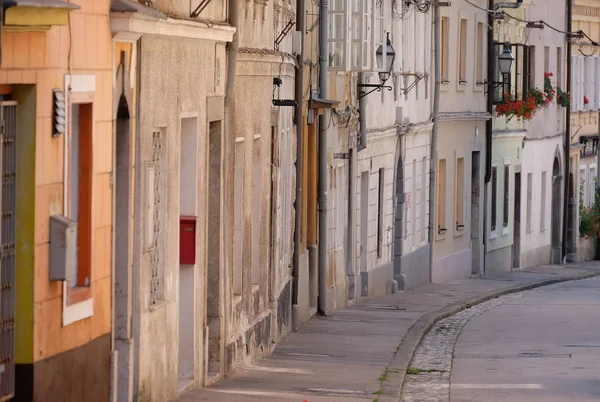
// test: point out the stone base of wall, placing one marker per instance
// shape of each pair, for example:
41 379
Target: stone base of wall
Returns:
497 261
377 281
80 374
257 341
414 268
451 267
536 257
586 249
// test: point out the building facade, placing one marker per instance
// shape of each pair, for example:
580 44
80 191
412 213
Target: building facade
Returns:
169 288
461 144
56 127
539 202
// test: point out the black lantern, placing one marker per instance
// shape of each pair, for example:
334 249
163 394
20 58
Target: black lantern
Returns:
505 60
390 56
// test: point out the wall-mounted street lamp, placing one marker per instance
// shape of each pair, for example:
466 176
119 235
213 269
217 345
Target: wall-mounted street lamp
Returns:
390 57
505 63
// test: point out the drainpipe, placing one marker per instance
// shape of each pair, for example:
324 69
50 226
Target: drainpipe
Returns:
299 117
489 128
229 129
437 60
567 141
323 182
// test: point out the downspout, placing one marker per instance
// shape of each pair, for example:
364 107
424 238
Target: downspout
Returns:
437 60
299 121
489 128
567 141
229 131
323 182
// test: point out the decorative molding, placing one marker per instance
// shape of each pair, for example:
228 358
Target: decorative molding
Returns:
457 116
587 11
138 24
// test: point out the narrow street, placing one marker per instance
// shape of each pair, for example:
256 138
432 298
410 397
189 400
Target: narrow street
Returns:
538 345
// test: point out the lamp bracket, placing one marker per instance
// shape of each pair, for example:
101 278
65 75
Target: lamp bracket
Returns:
376 87
493 84
283 33
418 77
203 4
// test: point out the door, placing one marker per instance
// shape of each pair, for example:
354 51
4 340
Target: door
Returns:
517 223
8 132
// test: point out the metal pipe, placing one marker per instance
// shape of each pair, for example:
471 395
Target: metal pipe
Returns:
323 182
489 128
437 59
567 139
299 121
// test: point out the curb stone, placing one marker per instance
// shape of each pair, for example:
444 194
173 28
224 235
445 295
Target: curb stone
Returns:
403 356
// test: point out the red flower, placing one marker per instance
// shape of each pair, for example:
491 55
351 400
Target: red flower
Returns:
585 100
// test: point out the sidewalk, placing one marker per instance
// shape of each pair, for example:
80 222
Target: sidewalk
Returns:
365 349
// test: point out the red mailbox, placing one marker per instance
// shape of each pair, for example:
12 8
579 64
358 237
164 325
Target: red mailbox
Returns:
187 240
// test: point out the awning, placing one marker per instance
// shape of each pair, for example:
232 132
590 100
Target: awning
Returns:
36 15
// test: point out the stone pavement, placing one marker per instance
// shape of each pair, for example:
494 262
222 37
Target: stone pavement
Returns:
362 352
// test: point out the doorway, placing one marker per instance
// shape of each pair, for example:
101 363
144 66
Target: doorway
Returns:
572 222
212 363
475 209
516 263
188 172
122 254
556 215
399 224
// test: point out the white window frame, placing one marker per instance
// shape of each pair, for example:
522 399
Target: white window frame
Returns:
592 184
358 47
583 183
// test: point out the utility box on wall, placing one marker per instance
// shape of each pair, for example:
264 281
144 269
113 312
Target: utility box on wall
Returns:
187 240
63 248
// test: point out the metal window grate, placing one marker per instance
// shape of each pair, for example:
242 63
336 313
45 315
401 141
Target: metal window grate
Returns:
7 250
157 276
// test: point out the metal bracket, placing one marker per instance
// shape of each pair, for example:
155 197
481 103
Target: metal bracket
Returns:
203 4
341 155
418 77
283 33
375 88
493 84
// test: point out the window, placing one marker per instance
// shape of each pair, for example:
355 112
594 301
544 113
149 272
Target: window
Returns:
529 196
506 195
380 213
238 219
589 81
256 209
543 206
479 62
156 215
494 214
441 199
597 82
445 49
559 64
80 191
592 186
546 59
517 83
423 199
414 206
351 42
460 193
462 62
337 35
582 188
577 83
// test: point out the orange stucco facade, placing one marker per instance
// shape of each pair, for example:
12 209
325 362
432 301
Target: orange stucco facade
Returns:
38 61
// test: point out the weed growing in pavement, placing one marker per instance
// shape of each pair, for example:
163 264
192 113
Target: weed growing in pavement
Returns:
414 371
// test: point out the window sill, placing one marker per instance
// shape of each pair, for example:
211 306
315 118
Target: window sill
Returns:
493 235
505 231
158 306
441 234
76 306
459 230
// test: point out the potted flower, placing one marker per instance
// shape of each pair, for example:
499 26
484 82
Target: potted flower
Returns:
562 98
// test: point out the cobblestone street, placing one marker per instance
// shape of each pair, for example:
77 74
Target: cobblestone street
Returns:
434 376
